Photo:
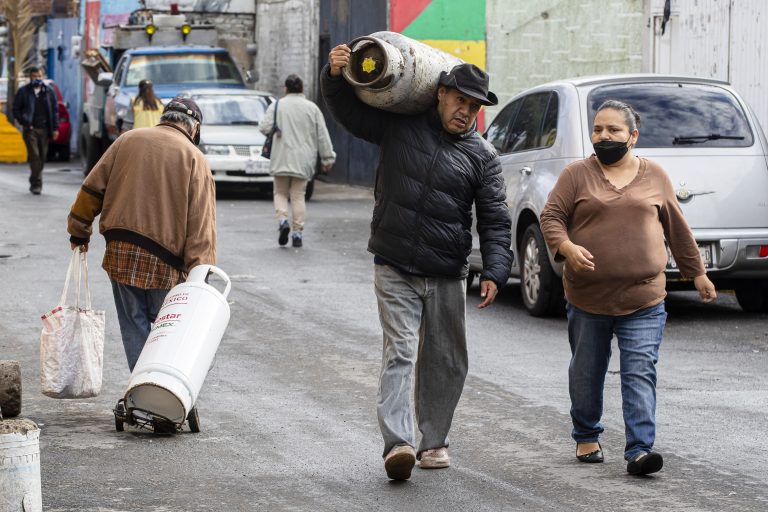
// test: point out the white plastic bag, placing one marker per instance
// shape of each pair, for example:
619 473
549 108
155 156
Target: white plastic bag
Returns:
72 342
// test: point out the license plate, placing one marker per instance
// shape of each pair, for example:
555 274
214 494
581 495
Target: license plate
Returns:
706 256
256 167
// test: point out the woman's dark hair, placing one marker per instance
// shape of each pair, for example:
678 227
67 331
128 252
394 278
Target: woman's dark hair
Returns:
631 117
293 84
147 96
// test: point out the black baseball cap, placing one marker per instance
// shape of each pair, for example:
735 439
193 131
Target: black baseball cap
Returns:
185 106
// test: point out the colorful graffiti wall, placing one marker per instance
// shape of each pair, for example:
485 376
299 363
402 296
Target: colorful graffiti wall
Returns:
454 27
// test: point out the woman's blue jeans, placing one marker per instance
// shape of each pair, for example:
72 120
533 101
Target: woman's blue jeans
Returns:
639 337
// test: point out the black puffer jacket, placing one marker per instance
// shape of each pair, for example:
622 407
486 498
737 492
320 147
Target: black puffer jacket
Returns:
426 183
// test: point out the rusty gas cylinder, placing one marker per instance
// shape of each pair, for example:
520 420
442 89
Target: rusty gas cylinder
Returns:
396 73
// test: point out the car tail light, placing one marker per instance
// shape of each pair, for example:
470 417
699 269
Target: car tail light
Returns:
763 251
63 114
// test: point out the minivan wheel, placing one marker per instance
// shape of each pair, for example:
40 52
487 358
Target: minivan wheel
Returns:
470 279
753 296
541 288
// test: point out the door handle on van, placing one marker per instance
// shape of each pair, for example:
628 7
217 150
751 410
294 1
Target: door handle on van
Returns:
525 171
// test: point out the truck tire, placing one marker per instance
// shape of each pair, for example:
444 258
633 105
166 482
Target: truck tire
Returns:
10 388
541 288
90 149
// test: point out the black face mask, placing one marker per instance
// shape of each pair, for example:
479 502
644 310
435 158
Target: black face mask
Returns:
610 151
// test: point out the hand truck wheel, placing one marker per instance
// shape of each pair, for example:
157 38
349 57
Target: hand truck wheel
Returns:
119 413
193 420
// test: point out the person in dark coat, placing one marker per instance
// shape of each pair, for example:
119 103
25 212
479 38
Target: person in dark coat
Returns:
433 168
35 108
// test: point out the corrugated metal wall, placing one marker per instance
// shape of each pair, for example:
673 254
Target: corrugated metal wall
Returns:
65 70
286 37
340 22
723 39
748 68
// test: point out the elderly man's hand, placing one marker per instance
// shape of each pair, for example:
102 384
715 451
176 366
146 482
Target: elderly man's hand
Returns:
83 248
488 291
327 168
339 59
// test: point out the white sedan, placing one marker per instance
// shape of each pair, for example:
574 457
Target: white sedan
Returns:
230 137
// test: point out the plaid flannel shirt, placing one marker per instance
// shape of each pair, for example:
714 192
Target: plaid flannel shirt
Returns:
132 265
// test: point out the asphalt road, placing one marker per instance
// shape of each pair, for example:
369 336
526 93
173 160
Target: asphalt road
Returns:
287 413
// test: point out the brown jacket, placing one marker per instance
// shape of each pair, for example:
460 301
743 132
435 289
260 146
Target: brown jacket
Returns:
624 229
153 188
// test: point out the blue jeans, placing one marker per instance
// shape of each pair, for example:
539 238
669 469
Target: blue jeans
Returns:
639 337
423 322
136 310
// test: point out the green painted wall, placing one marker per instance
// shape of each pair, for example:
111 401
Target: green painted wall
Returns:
450 19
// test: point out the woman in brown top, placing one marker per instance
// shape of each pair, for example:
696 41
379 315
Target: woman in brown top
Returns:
608 217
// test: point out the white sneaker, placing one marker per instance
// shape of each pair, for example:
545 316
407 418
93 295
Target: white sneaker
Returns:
435 458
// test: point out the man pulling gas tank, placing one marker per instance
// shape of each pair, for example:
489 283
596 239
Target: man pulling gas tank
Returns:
157 200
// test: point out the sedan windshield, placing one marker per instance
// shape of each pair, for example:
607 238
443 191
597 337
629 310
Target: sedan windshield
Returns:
232 109
680 114
183 68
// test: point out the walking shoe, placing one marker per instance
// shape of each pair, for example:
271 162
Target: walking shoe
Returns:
284 229
399 462
591 457
645 463
435 458
297 240
36 189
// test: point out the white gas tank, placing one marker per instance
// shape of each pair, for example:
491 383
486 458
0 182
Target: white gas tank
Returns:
396 73
181 346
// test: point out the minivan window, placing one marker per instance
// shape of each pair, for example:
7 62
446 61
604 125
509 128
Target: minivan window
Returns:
680 115
526 130
181 68
549 126
497 132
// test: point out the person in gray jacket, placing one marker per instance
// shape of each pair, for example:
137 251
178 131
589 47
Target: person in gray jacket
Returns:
300 137
432 168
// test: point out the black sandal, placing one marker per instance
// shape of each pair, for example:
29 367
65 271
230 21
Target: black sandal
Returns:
592 457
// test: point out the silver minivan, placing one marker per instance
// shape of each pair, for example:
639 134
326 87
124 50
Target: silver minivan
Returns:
700 131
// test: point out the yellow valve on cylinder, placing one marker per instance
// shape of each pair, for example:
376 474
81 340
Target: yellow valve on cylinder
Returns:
186 29
369 65
150 29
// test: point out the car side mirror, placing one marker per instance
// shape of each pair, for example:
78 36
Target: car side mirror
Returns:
104 79
251 76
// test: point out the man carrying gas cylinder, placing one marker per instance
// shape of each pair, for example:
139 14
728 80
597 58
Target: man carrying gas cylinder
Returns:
433 167
157 200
